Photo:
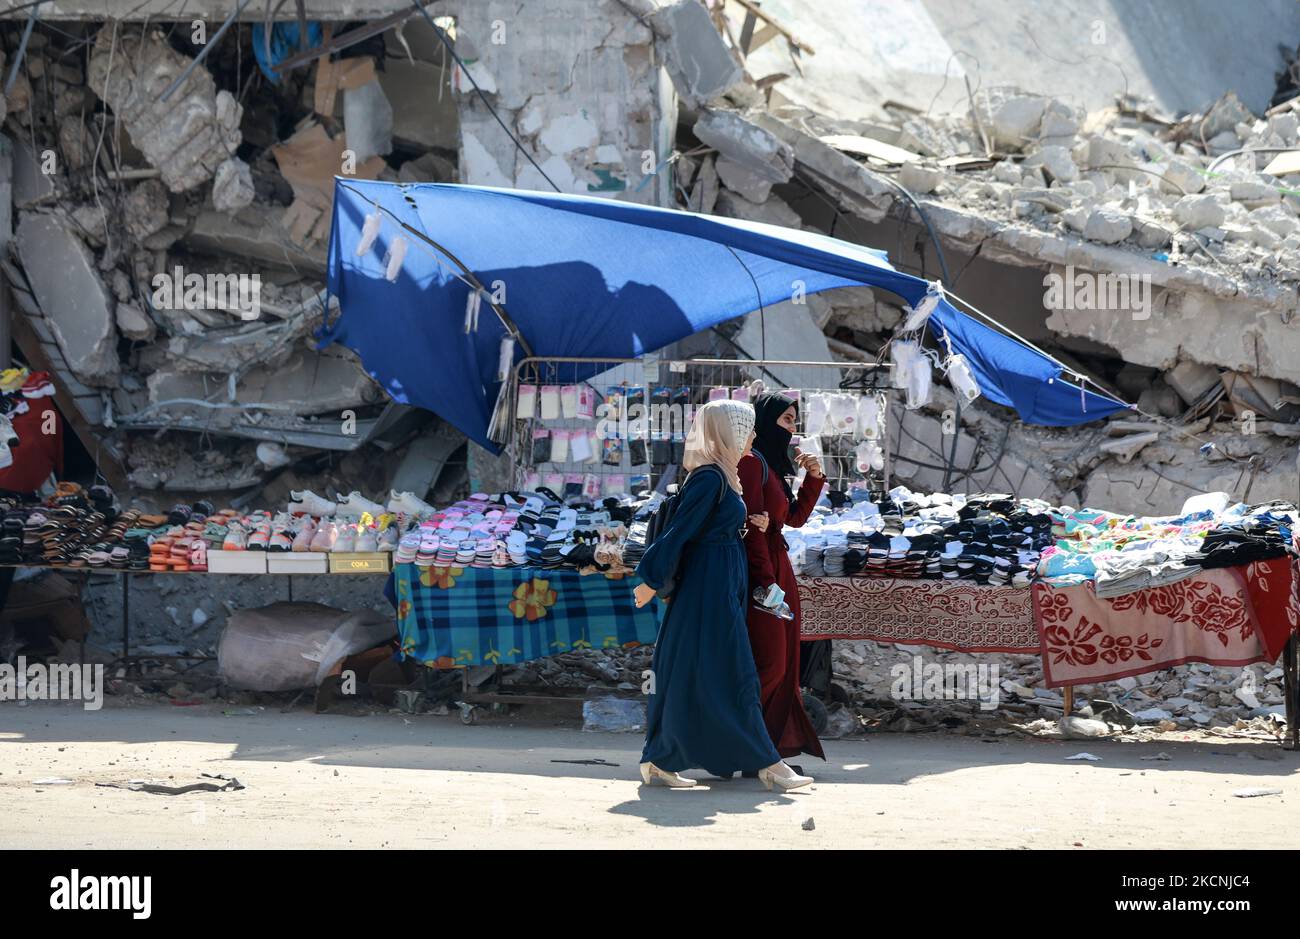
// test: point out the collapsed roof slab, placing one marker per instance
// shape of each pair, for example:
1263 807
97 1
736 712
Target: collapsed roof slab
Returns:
917 52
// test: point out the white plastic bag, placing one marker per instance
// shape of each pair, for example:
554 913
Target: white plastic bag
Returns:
290 646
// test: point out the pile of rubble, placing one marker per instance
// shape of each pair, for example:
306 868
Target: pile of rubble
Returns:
1179 699
168 255
1154 253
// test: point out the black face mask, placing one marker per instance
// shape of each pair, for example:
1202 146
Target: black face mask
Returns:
774 441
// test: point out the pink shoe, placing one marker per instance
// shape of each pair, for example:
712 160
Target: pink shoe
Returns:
306 530
326 533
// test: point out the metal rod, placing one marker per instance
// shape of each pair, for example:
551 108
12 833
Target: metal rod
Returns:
126 614
22 48
203 54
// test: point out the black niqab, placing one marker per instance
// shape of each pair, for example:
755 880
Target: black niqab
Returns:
772 440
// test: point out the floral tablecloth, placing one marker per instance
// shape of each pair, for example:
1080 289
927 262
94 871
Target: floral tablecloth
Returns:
1224 616
451 616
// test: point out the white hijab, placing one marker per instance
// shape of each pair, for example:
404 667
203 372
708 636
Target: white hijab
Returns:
718 435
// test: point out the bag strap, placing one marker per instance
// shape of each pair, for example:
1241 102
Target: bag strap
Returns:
761 459
722 489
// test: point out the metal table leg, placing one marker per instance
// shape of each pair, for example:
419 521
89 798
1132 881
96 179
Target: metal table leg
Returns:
126 614
1291 688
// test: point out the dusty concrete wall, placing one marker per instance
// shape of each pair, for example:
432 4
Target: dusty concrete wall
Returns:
577 83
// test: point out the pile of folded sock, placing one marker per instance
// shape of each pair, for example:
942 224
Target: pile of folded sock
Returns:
986 538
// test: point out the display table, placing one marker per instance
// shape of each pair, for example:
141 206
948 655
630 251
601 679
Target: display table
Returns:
957 615
453 617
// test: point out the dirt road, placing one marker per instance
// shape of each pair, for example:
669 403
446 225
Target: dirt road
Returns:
389 780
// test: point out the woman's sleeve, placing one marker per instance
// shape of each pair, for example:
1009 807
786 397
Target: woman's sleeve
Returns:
761 573
698 497
805 501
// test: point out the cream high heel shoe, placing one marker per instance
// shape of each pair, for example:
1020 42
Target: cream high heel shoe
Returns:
650 772
783 777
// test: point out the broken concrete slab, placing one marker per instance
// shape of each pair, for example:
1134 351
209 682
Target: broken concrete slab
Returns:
76 305
701 65
741 179
323 384
1191 380
743 141
254 232
774 211
186 137
33 175
704 194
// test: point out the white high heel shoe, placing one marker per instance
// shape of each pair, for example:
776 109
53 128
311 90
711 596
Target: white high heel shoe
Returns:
787 779
650 772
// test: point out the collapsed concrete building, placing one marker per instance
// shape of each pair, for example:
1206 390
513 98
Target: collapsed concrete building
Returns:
161 165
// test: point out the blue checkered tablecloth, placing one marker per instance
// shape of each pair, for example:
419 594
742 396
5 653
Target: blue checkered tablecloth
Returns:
451 616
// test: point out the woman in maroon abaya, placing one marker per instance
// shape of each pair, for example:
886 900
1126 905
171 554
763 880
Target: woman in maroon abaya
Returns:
776 641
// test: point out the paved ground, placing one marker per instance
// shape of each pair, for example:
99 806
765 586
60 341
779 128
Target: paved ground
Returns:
387 780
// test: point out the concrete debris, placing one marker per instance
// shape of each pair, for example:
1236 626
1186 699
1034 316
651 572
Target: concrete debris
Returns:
743 141
430 168
186 137
134 323
145 209
1012 119
1192 380
919 180
232 186
1107 225
1197 212
740 179
77 307
699 62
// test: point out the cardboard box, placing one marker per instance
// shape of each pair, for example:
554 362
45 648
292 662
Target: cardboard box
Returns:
297 562
236 562
360 562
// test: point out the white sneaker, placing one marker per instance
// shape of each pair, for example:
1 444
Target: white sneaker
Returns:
304 500
358 505
406 502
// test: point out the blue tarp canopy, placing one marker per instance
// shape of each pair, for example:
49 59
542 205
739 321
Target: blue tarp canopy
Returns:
592 277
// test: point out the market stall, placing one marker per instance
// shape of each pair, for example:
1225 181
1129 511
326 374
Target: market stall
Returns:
512 338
